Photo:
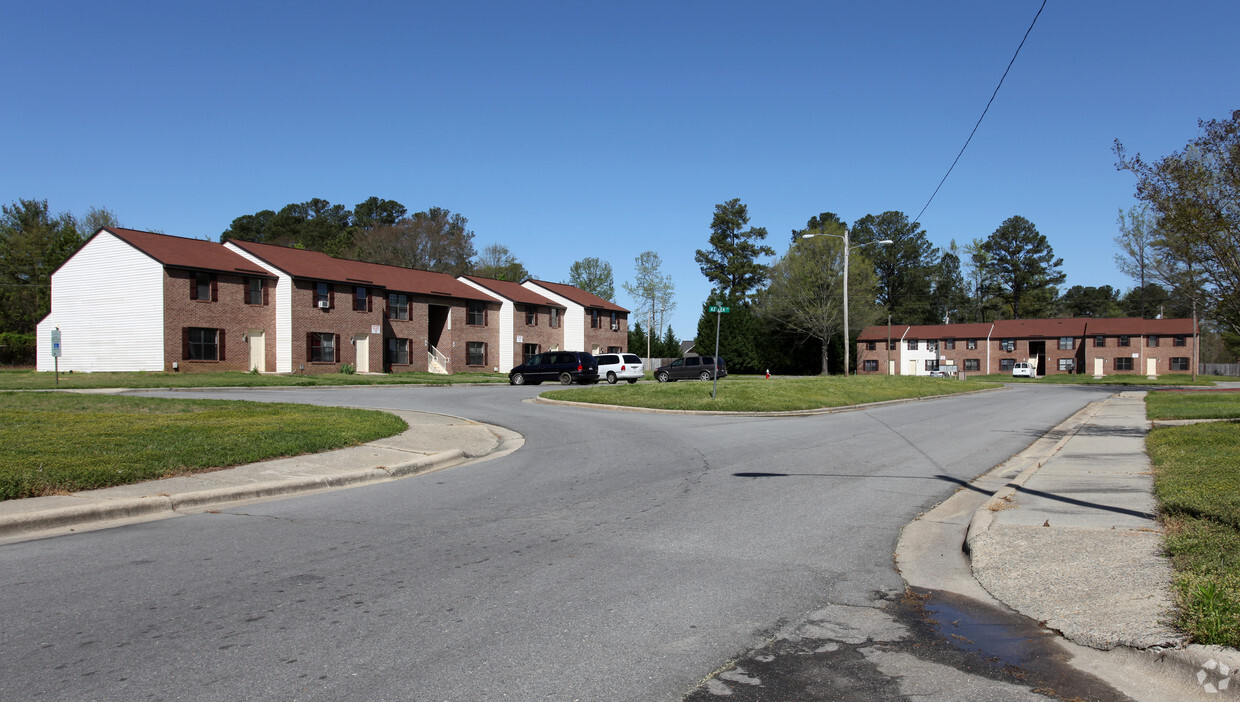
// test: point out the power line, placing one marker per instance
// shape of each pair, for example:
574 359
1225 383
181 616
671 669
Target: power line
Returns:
979 119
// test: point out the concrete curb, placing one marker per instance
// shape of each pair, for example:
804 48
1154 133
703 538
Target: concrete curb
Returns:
790 413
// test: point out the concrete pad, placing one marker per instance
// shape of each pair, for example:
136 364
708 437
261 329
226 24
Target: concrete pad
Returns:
1099 588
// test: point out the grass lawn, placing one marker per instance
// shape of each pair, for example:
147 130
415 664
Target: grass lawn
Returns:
1197 484
63 442
1193 404
26 379
1069 379
757 394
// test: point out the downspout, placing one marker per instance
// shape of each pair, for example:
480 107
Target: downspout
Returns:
988 334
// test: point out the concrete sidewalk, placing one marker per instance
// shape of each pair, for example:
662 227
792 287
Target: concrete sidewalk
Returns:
1066 534
432 442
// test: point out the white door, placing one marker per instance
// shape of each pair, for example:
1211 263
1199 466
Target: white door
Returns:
258 350
1151 367
361 344
1097 367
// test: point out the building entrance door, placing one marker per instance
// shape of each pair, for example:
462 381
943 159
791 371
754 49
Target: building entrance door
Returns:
361 347
258 350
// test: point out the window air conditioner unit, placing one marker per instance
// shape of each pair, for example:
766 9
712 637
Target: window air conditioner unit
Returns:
323 304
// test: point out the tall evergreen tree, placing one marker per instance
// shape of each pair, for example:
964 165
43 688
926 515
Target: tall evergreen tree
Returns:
1024 266
33 243
905 269
731 264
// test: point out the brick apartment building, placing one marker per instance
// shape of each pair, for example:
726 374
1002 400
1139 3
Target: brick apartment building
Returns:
129 300
1097 347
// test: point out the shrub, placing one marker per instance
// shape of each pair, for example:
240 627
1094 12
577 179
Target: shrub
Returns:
17 349
347 369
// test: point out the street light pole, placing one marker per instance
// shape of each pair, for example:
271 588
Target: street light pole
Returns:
847 249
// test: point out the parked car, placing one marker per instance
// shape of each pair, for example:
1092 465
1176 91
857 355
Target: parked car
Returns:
620 366
690 367
568 367
1024 370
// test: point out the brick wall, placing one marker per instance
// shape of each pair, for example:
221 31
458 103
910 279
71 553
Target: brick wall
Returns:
541 333
603 337
341 319
225 310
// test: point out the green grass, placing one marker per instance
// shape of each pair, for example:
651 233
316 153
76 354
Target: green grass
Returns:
1197 485
1192 404
26 379
1086 379
64 442
757 394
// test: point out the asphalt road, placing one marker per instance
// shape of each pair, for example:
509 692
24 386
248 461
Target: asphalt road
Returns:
616 556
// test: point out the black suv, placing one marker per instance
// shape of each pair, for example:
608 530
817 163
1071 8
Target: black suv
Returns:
690 367
568 367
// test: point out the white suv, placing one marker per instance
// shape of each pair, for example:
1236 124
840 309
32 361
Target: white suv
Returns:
1024 370
619 366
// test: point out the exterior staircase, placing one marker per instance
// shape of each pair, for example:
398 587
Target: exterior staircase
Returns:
436 362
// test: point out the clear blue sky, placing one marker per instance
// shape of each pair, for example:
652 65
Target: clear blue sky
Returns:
573 129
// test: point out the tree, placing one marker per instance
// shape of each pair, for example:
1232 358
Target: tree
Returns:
1136 240
653 291
593 275
807 289
33 243
1090 301
497 262
375 211
637 337
316 224
948 294
1149 301
741 337
669 345
1023 264
434 240
731 263
1193 194
904 268
97 218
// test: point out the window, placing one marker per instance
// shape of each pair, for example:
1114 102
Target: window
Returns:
871 345
617 349
932 364
972 364
1065 344
1066 365
1008 344
255 293
320 347
204 288
322 295
912 344
554 318
949 344
893 345
870 366
476 315
203 344
615 322
531 316
1179 363
398 351
1005 364
361 299
1100 341
398 306
528 351
475 353
1124 340
971 345
1123 363
932 346
1153 340
595 319
1180 341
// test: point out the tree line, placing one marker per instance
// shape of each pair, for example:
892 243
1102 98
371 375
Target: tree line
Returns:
1179 245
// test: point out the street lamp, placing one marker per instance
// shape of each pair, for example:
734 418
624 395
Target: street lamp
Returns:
847 248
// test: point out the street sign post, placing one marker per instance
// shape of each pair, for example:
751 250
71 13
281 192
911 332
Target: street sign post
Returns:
719 310
56 353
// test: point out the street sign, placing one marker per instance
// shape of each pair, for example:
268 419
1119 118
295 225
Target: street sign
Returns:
55 343
721 310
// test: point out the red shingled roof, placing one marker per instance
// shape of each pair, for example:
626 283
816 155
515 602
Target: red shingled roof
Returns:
313 265
1137 326
1039 328
513 291
579 296
180 252
949 331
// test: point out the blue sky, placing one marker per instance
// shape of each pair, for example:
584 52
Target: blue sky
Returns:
565 130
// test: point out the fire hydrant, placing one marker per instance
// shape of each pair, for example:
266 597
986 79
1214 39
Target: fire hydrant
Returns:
768 373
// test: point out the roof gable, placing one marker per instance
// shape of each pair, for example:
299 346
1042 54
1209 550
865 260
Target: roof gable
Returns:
180 252
513 291
579 296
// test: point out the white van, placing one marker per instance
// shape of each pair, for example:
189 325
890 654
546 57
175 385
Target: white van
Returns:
619 366
1024 370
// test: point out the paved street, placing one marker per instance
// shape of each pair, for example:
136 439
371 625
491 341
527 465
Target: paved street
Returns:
616 556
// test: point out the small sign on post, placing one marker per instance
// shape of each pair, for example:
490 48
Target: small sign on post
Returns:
56 353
